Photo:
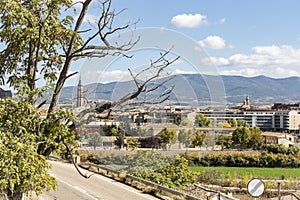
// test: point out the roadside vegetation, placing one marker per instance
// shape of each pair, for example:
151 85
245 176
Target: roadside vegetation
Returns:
225 168
169 171
263 173
243 157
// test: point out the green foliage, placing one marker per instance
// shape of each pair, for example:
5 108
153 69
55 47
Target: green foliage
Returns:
186 122
185 137
168 136
202 121
27 28
209 139
198 139
242 123
94 140
165 170
256 138
280 149
22 168
224 140
246 173
209 175
132 143
248 160
224 125
233 122
114 131
120 139
248 137
241 136
174 175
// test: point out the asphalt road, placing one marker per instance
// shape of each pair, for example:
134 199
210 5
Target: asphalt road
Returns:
74 187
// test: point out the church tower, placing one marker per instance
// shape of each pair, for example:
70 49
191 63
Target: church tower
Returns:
246 104
80 98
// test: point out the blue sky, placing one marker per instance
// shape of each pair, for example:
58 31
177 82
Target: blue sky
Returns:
247 38
260 31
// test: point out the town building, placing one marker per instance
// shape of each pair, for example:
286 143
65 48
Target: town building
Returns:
279 138
80 101
275 120
222 116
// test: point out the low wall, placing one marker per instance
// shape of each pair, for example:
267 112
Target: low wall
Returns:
141 184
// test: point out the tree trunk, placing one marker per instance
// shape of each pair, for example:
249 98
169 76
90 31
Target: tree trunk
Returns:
17 195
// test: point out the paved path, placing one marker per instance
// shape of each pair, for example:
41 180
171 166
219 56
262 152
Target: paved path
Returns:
72 186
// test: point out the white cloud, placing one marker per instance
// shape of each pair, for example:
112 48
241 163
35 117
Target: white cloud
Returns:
189 20
90 18
106 76
213 42
264 56
278 72
273 61
178 71
222 21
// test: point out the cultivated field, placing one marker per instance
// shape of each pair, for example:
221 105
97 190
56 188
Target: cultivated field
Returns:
265 173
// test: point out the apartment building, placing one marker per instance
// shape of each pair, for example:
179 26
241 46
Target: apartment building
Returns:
278 120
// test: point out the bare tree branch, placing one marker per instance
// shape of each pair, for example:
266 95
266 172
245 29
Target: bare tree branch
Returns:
69 152
71 75
143 89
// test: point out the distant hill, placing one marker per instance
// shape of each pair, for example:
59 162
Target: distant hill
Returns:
190 88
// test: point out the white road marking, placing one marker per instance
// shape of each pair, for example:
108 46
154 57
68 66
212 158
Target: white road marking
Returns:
99 176
124 186
77 188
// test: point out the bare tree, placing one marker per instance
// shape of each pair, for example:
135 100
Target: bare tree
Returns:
87 48
76 48
43 43
142 94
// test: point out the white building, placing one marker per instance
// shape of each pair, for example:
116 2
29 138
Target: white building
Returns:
281 120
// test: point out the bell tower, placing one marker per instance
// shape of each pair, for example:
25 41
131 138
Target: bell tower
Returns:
80 99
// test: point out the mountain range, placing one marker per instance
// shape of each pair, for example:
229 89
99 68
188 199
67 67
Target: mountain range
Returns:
199 89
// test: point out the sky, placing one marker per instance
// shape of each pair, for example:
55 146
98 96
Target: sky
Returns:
247 38
228 37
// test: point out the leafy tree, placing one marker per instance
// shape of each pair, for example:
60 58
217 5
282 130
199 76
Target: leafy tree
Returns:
185 137
209 140
22 169
256 138
189 138
181 135
241 136
132 143
94 140
186 122
202 121
174 174
120 139
224 140
224 125
39 42
242 123
198 139
233 122
114 131
169 137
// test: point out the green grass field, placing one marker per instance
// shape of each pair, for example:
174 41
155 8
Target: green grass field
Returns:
274 173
